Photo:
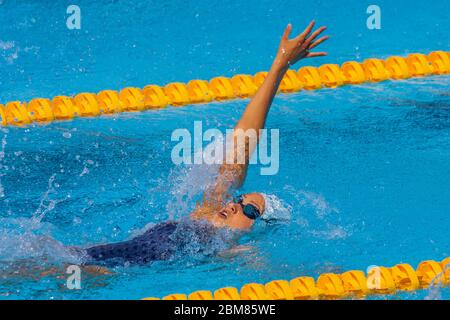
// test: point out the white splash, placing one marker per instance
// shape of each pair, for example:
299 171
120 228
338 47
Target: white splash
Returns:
434 292
188 183
27 238
319 218
46 205
27 246
2 156
6 45
10 51
321 206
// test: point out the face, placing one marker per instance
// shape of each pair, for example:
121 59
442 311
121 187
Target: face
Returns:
233 217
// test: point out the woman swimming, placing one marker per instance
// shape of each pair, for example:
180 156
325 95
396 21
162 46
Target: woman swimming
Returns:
216 212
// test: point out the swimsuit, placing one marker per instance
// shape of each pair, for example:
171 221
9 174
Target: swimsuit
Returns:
160 242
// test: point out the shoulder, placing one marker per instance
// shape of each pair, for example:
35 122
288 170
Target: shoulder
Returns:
204 211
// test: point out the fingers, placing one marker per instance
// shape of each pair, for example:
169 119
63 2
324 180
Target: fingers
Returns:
314 35
316 54
287 32
317 42
305 33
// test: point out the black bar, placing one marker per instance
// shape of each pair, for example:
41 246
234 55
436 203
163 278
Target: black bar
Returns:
174 310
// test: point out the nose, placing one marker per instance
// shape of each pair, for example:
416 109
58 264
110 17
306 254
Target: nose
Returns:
232 208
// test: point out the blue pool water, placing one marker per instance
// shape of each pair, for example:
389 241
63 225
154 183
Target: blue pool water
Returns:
364 170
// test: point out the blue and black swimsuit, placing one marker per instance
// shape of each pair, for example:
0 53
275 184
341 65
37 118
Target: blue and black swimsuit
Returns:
160 242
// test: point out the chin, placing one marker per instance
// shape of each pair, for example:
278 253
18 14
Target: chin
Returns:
219 222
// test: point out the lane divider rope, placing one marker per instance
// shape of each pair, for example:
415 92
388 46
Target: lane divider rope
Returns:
350 284
43 110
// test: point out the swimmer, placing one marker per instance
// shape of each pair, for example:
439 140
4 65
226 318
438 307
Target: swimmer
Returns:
217 212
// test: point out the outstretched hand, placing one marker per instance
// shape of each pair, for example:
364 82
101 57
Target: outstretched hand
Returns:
293 50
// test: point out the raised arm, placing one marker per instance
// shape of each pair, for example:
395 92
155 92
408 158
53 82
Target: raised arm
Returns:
232 173
289 52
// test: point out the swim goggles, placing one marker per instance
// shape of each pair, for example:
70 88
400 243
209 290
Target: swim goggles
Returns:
249 210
